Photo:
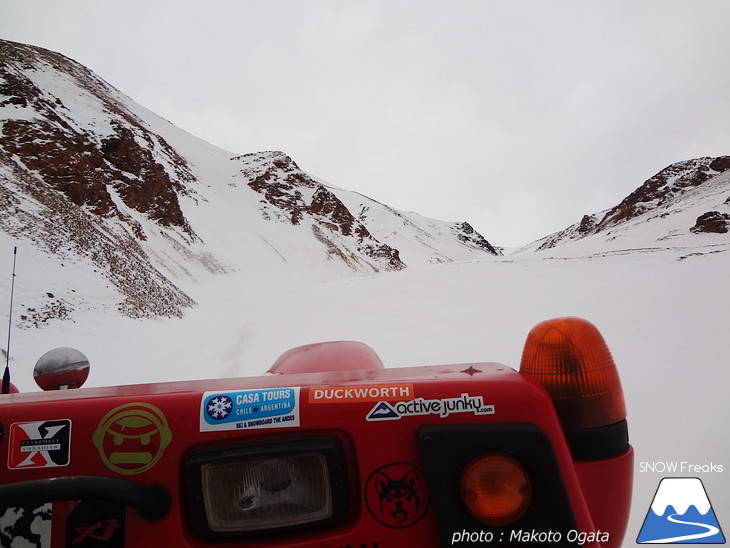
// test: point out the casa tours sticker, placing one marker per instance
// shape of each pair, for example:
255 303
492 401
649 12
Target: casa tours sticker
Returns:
250 409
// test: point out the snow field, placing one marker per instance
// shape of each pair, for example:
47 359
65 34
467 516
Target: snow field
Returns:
664 320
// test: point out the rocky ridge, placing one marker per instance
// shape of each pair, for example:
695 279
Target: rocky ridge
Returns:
90 178
289 194
658 197
68 188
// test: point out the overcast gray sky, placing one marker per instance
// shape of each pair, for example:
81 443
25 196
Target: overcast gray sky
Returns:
518 116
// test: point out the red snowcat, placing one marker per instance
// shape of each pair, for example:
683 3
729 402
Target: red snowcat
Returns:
329 449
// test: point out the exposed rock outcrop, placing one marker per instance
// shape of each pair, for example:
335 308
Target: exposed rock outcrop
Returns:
466 233
66 181
657 194
663 187
289 193
712 222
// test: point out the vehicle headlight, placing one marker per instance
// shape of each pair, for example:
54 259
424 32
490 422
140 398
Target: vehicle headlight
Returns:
267 488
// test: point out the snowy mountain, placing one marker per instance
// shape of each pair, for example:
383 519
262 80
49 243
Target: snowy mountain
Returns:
94 187
680 494
685 205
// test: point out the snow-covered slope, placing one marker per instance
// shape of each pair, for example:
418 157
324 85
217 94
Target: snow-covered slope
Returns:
684 206
664 319
90 179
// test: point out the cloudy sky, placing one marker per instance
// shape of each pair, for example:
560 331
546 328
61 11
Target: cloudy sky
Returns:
518 116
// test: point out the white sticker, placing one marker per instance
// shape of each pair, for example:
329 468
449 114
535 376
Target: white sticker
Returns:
384 411
250 409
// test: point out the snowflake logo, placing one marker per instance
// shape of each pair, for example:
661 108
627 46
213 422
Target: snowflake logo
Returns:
219 407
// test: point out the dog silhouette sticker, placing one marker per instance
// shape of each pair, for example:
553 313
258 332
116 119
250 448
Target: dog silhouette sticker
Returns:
396 495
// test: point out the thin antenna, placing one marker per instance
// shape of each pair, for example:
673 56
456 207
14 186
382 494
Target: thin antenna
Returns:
6 375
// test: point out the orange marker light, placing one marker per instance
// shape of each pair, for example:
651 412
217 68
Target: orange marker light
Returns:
495 489
570 359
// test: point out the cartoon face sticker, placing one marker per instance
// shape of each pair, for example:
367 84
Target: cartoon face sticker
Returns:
131 438
396 495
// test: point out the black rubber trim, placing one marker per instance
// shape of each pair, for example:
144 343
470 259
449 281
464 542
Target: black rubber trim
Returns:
600 443
153 502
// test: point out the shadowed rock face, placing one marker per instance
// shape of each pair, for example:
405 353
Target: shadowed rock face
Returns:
663 187
712 222
83 165
466 233
283 185
65 180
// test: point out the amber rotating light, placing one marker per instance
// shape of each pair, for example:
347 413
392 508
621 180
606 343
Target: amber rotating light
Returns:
570 359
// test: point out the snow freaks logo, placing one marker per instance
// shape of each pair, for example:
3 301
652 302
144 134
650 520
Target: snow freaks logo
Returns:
681 513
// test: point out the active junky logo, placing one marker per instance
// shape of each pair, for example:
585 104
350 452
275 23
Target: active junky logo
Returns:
383 411
681 513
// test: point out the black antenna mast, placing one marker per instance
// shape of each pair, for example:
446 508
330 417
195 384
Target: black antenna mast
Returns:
6 375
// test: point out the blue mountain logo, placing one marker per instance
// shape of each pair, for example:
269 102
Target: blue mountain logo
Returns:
681 513
382 411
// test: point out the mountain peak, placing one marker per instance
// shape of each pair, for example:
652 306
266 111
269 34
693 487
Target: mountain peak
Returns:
90 178
667 185
91 160
683 200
